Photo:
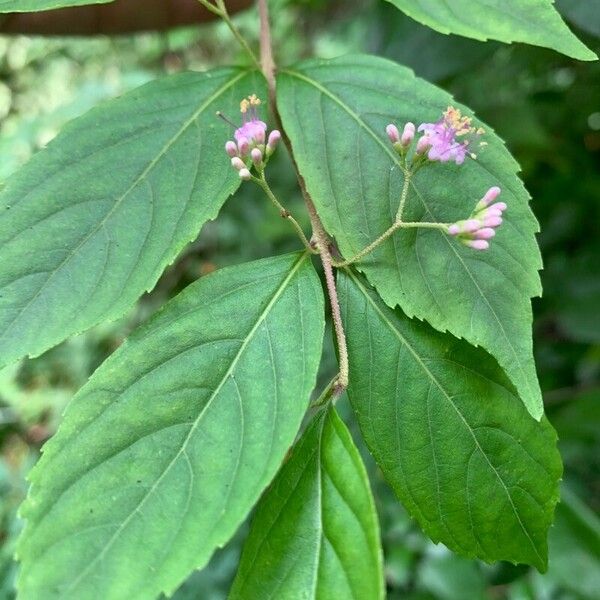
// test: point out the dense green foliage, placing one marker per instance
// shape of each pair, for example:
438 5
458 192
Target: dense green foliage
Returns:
357 186
150 442
92 222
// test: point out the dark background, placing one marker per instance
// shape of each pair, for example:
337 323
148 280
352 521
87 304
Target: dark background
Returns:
547 109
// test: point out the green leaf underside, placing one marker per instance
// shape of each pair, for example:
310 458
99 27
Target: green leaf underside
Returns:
335 113
90 223
315 533
530 21
165 450
7 6
452 439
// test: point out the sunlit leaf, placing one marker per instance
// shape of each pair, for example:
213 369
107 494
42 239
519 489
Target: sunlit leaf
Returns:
90 223
335 113
163 453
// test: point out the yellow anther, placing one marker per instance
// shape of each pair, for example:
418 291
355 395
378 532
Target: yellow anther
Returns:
244 105
254 100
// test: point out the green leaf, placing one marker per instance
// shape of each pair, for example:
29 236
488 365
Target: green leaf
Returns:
531 21
315 533
7 6
92 221
163 453
335 113
449 433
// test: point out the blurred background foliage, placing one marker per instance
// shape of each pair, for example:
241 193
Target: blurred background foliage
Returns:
547 109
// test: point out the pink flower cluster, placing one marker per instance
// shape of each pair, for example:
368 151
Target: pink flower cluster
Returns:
250 139
481 225
450 139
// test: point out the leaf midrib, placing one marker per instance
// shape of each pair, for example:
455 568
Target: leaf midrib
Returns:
434 380
263 315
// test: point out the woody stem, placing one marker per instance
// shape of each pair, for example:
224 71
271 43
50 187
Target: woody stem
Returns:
320 237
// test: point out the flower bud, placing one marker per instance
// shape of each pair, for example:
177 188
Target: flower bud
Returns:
257 156
485 233
454 229
488 198
245 174
477 244
238 163
489 212
272 142
408 134
393 133
231 149
243 146
501 206
470 225
492 221
423 145
259 137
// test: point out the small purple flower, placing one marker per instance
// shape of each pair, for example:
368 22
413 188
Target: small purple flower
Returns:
481 226
441 139
250 139
252 129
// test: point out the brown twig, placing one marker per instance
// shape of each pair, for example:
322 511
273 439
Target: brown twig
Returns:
321 239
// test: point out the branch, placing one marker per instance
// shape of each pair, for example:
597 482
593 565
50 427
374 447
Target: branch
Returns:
320 237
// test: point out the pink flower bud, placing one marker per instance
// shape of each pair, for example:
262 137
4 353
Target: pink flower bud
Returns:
231 149
501 206
454 229
257 156
471 225
491 195
477 244
245 174
489 212
485 233
492 221
259 136
243 146
423 145
274 138
237 163
393 133
408 134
